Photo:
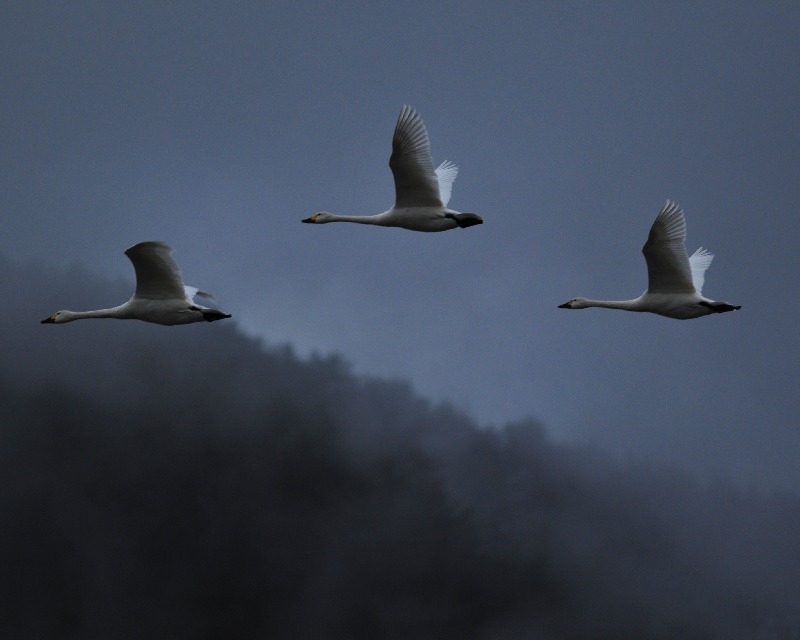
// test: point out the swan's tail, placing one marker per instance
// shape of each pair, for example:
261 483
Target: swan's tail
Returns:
464 220
210 315
721 307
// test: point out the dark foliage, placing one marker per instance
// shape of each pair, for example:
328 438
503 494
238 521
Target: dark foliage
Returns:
188 482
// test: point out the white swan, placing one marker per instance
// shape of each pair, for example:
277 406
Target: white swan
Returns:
160 295
421 192
675 281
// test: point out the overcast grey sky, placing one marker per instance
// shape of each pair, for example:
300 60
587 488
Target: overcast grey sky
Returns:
217 127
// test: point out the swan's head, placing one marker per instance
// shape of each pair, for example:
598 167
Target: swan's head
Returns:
59 317
320 218
575 303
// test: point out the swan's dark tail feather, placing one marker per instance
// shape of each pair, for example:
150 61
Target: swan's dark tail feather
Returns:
210 315
464 220
721 307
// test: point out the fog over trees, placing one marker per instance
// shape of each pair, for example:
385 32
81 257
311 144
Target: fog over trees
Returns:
163 482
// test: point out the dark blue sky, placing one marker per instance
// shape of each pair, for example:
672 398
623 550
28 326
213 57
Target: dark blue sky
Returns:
217 128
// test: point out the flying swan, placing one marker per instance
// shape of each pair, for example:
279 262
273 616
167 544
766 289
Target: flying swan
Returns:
421 192
675 281
160 295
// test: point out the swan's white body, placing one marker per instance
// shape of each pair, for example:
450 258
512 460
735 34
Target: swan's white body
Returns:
421 192
675 280
160 296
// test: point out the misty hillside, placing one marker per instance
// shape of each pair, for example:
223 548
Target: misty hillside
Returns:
166 482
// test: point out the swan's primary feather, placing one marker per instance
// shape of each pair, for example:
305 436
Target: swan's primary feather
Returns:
157 274
668 267
415 181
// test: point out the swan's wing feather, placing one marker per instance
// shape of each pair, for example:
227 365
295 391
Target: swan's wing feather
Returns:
699 261
415 182
157 274
194 292
668 268
446 174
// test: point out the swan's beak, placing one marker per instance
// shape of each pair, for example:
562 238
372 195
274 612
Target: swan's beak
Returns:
311 220
50 320
566 305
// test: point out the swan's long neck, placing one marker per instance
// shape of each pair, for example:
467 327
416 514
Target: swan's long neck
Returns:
113 312
376 219
627 305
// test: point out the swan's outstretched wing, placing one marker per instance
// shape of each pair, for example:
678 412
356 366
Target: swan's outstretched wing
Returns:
446 174
415 182
668 268
699 261
157 274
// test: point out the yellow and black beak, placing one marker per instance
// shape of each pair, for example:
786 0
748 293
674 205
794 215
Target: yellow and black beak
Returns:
566 305
312 219
50 320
